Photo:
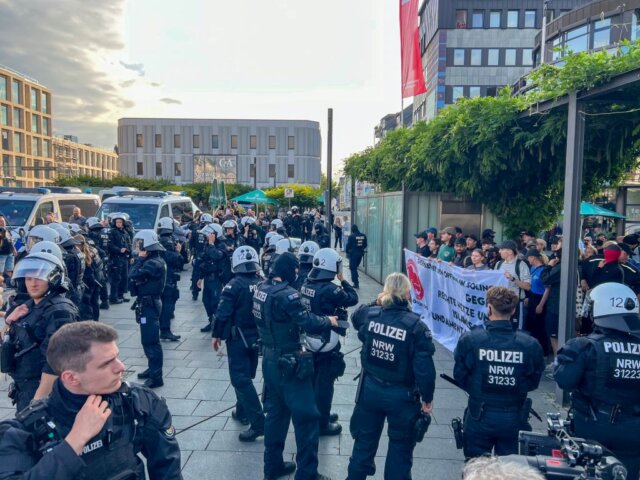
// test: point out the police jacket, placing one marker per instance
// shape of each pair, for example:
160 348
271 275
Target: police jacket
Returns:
200 242
172 258
30 334
32 446
280 316
94 273
601 369
211 261
356 244
396 347
148 275
253 238
119 239
498 366
75 263
267 260
323 297
100 238
303 273
323 239
235 310
227 245
295 226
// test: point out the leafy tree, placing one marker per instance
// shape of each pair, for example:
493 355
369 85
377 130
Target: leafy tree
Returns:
304 195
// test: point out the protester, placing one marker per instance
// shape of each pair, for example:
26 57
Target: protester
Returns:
460 247
517 272
536 299
434 247
446 251
477 261
337 232
421 242
551 279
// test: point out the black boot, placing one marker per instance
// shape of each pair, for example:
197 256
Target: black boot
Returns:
250 435
169 335
333 418
206 328
104 306
116 301
330 429
153 382
145 374
242 420
287 469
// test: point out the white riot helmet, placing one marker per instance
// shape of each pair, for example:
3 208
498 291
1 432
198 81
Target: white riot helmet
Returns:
118 216
230 224
274 239
41 233
327 263
268 236
93 222
287 245
615 307
307 251
75 229
66 238
206 218
320 343
147 240
165 223
212 228
276 223
244 260
43 266
246 220
48 247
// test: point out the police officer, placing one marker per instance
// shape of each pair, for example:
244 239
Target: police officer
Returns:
497 367
305 256
397 380
321 236
250 233
295 223
271 240
94 424
147 279
174 260
211 268
288 370
228 243
74 261
323 297
119 253
100 237
234 323
31 324
355 250
601 372
283 245
199 242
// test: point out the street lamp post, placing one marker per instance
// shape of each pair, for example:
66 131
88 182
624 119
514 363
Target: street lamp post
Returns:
543 36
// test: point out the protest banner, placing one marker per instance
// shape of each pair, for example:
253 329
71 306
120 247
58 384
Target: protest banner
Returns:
449 299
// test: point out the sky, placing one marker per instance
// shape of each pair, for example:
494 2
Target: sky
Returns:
265 59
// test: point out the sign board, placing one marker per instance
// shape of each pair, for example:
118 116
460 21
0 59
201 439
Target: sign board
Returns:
288 193
207 168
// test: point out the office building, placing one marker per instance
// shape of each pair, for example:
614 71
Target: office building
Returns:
74 159
260 153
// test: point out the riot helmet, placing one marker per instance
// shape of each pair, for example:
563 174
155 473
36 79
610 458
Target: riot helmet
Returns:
43 266
327 263
615 307
246 220
306 252
75 229
41 233
321 343
93 223
276 223
206 218
287 245
166 224
48 247
273 241
245 260
212 228
147 240
268 236
118 216
230 224
66 238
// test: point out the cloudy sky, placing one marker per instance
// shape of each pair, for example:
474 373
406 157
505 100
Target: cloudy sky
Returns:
281 59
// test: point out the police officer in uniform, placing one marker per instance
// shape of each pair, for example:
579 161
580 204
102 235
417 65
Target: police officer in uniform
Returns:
147 279
31 324
323 297
228 243
174 260
251 233
211 267
74 261
92 425
283 245
602 372
271 240
305 256
497 367
100 237
288 370
234 323
397 380
355 250
119 253
199 242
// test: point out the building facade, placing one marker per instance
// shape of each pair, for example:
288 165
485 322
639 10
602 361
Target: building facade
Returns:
260 153
25 131
391 122
73 159
473 48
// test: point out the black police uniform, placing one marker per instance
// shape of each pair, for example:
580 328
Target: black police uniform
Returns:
199 243
227 246
93 280
253 238
30 340
323 297
303 273
119 239
295 226
497 367
211 267
100 237
33 446
287 371
75 264
322 238
267 259
602 371
170 294
355 248
148 277
397 372
235 324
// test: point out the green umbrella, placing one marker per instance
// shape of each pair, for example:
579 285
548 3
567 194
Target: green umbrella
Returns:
256 196
591 210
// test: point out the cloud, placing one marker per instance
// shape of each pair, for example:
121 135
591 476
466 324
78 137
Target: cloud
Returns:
171 101
63 50
134 67
128 83
154 84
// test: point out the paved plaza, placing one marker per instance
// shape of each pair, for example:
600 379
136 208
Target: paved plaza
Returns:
197 387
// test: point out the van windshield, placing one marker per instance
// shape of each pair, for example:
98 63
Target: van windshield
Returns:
16 212
142 215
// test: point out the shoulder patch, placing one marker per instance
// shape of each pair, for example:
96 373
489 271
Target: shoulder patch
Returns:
293 296
169 432
227 287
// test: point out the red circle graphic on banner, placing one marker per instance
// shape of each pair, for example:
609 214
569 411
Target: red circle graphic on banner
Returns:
412 270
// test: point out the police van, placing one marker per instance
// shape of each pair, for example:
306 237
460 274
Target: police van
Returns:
25 207
145 208
114 191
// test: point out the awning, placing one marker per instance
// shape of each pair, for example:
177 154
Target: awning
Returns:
590 210
256 196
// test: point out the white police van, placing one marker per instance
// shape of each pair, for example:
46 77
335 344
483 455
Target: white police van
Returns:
145 208
114 191
25 207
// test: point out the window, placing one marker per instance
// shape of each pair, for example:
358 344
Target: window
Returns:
476 56
35 146
635 24
461 19
495 18
5 165
527 57
45 102
158 140
4 115
45 127
214 141
177 169
493 57
512 18
474 92
253 142
234 141
48 168
510 57
19 161
16 92
5 139
164 211
182 212
529 19
17 142
196 141
272 170
477 19
272 142
34 99
88 207
457 93
139 140
252 170
17 117
37 169
139 168
158 169
577 40
46 148
3 87
492 91
291 143
291 171
35 123
602 33
43 210
176 141
458 56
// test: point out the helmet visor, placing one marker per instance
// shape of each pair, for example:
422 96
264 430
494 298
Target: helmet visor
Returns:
31 241
138 245
34 268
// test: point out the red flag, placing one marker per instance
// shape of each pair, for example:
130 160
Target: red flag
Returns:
412 74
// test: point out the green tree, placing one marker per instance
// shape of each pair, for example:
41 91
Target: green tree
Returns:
304 195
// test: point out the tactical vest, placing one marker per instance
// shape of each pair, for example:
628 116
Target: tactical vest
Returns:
314 298
359 241
246 286
208 265
154 286
266 261
276 332
617 371
387 347
104 240
497 378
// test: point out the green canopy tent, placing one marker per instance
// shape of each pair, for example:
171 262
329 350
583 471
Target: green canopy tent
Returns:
256 197
591 210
